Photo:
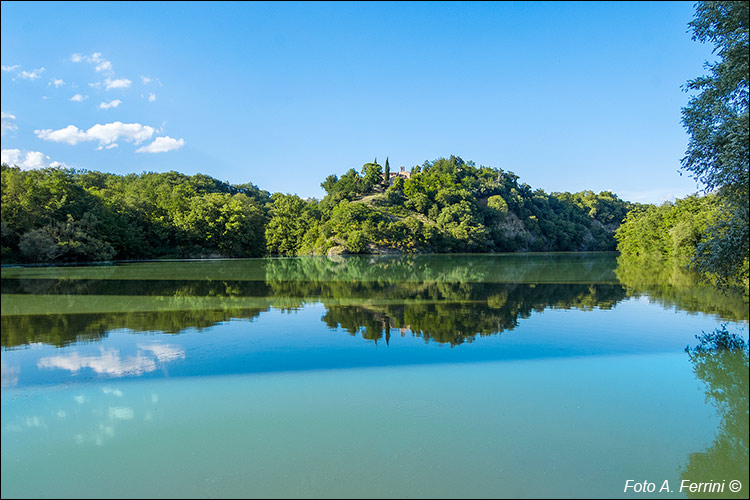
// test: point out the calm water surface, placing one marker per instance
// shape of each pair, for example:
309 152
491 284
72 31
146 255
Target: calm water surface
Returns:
546 375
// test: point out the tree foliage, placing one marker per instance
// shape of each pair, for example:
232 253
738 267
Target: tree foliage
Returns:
671 230
717 120
448 205
58 215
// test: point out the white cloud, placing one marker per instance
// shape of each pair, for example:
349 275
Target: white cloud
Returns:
56 82
121 413
151 97
26 75
35 422
95 85
9 375
148 79
104 66
31 75
7 123
35 159
31 160
107 134
120 83
111 132
114 392
162 145
79 98
110 104
10 156
69 134
100 64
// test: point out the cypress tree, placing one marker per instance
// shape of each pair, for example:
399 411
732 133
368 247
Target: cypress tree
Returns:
387 174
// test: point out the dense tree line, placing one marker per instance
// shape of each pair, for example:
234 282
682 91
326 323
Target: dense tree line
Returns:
672 230
675 233
65 215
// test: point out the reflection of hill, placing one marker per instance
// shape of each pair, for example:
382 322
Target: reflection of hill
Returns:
457 313
64 329
721 362
453 313
445 298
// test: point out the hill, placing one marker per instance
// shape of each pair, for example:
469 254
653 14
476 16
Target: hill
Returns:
448 205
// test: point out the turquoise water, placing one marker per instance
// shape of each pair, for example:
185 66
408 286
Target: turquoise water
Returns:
432 376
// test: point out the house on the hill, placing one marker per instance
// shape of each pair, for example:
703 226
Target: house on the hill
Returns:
401 173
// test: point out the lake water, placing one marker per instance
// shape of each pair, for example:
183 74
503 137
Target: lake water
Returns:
544 375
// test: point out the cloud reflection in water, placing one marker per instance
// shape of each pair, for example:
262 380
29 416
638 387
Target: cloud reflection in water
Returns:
109 362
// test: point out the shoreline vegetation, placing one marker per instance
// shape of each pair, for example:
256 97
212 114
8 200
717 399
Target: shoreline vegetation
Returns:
65 216
445 206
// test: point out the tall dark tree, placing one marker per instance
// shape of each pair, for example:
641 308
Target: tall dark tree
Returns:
717 120
386 174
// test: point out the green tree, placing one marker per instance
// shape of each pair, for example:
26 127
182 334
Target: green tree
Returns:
717 121
288 224
386 174
463 230
356 242
72 240
497 204
231 225
38 245
329 184
671 230
372 174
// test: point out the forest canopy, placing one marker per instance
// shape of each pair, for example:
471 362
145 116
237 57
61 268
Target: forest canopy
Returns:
448 205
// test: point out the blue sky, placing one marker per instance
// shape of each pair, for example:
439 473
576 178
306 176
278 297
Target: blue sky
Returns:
567 95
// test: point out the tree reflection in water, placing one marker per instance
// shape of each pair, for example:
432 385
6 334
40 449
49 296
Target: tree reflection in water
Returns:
458 314
449 299
720 360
